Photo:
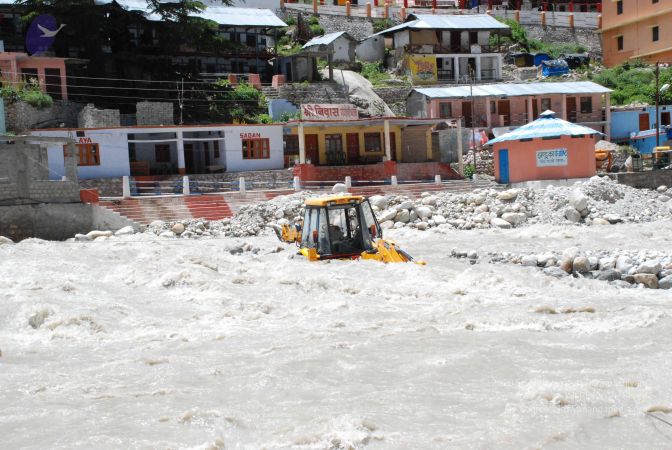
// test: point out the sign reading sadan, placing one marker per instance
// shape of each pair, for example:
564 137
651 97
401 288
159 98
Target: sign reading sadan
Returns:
345 111
552 158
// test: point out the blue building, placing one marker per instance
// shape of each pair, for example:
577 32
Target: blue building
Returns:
636 127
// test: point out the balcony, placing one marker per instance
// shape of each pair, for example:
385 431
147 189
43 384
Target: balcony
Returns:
442 49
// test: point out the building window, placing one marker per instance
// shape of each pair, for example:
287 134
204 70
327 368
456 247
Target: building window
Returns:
545 104
654 1
373 143
445 111
291 144
89 154
654 34
549 138
473 37
619 43
257 148
578 136
493 107
586 105
162 153
215 149
619 7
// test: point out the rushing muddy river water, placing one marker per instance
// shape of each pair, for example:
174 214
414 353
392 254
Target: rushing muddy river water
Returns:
152 343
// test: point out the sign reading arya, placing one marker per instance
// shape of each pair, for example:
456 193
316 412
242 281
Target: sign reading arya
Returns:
552 158
345 111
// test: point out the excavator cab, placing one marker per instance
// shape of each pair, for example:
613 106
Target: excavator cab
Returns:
340 227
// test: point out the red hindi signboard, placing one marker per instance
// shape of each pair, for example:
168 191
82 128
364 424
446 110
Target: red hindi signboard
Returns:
344 111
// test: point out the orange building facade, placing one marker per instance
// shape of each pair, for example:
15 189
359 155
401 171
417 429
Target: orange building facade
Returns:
560 158
636 29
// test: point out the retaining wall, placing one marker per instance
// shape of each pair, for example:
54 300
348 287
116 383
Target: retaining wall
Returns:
644 180
56 221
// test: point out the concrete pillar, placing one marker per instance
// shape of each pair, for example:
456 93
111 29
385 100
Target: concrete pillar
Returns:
478 68
302 145
488 113
242 185
347 9
498 70
563 111
607 116
126 187
402 11
394 180
456 68
460 158
386 11
368 10
530 110
297 183
186 188
181 167
348 182
315 7
388 146
437 179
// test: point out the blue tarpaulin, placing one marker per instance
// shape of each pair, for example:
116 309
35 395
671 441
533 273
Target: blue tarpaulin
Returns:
554 68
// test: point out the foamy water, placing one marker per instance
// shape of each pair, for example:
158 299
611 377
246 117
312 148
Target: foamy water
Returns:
179 344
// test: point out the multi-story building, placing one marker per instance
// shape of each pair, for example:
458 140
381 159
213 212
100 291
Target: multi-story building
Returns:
512 105
636 29
448 48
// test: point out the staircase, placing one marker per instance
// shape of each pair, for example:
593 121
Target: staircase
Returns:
145 210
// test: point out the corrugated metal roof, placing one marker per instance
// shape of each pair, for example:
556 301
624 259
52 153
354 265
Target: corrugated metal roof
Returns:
514 89
324 40
547 125
223 15
448 22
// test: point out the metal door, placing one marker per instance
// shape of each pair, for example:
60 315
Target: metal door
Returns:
504 166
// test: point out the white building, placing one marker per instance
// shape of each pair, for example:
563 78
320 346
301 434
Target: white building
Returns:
166 150
446 48
339 45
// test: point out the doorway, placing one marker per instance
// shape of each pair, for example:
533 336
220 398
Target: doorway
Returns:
665 118
466 112
312 149
352 144
189 158
504 166
643 121
571 109
504 108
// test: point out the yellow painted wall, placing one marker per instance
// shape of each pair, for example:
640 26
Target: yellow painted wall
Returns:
345 130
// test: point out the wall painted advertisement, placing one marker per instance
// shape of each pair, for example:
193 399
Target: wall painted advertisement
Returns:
552 158
422 68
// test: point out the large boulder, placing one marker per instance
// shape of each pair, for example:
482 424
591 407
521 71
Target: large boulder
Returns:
403 216
648 280
5 240
651 266
581 265
423 212
514 218
572 215
508 195
386 215
500 223
665 283
379 201
578 200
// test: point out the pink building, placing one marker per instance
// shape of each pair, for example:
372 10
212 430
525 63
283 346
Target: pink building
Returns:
508 105
49 72
546 149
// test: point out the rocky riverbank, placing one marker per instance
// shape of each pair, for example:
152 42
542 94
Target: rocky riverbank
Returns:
651 269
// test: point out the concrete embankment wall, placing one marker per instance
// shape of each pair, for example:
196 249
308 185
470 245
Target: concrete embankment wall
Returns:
644 180
56 221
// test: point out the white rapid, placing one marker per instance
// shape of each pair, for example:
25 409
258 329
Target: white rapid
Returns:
154 343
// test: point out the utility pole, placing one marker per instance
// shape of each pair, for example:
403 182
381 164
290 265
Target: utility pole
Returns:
473 113
180 98
657 103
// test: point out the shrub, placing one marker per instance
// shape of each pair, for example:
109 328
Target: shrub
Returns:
382 24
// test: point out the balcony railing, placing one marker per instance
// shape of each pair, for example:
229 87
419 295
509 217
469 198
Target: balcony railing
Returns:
438 49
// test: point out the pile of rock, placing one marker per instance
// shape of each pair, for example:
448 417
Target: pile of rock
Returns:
650 269
598 201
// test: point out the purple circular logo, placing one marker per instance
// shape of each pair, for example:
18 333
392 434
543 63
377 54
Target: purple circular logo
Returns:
42 34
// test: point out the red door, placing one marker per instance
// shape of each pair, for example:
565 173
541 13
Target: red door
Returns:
312 149
571 109
643 121
352 143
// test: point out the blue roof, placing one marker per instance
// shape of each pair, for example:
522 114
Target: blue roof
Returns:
547 125
448 22
223 15
326 39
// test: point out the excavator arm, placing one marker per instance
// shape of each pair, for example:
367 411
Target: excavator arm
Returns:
287 232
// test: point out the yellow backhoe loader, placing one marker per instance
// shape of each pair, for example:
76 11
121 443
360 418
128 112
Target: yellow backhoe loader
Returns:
341 227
